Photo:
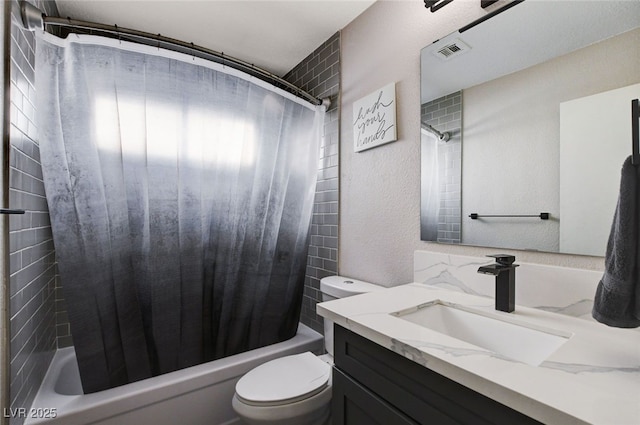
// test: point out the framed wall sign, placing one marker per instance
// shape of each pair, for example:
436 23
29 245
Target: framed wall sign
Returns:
374 119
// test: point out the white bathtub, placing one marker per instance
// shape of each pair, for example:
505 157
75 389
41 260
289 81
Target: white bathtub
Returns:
199 395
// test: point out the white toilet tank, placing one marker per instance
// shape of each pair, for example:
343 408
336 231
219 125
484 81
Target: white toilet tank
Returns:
334 287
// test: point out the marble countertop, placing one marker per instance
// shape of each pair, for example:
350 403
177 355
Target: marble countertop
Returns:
594 377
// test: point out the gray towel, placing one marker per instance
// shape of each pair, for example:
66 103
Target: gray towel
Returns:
617 300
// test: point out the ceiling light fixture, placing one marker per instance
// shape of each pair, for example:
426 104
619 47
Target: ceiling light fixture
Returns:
435 4
486 3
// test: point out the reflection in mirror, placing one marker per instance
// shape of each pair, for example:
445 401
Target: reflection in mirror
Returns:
544 125
441 169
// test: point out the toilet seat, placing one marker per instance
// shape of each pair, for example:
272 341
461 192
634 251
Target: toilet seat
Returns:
285 380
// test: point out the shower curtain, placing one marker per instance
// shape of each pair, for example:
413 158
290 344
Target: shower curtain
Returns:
430 186
180 193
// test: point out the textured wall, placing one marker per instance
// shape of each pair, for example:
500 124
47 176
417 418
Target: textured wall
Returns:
319 74
380 188
32 258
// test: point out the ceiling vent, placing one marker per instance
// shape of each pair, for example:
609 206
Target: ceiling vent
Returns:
451 50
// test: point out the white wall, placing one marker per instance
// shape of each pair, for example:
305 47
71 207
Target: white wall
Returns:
595 135
380 188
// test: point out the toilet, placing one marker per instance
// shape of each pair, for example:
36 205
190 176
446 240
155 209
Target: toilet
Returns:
296 390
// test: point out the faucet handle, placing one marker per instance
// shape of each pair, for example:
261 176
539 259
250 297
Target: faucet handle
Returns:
503 259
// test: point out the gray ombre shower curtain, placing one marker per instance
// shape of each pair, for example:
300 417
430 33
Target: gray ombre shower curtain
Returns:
180 194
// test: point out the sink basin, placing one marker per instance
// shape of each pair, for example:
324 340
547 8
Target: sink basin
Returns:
497 333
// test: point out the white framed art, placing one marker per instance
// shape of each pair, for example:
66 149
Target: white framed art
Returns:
374 119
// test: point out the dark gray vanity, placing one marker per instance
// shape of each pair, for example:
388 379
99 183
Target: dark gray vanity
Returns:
416 354
373 385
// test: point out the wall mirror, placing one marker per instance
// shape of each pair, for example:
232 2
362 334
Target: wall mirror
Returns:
529 112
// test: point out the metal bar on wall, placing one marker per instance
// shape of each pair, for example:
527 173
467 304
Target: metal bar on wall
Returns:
441 136
541 216
5 337
635 130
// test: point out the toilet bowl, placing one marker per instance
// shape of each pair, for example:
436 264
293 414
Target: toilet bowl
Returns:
296 390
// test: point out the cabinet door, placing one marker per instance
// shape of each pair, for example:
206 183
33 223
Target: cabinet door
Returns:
421 394
352 404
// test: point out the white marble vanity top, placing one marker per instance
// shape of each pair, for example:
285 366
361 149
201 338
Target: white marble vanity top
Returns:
594 377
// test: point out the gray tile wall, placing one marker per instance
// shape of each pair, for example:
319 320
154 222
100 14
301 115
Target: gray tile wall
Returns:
63 330
445 115
32 257
319 74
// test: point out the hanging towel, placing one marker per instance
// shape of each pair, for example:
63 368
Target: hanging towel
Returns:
617 300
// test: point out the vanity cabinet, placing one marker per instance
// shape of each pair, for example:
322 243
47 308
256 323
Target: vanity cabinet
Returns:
373 385
358 405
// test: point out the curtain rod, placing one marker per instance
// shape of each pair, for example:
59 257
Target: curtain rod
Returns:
444 137
33 19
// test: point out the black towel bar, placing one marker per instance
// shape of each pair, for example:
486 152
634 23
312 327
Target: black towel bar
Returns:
541 216
635 132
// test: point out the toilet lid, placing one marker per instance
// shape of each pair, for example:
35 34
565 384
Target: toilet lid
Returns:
284 380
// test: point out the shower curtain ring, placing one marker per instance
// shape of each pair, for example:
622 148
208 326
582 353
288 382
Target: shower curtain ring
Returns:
193 51
118 32
159 41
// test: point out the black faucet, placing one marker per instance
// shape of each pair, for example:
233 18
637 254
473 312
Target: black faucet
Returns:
505 272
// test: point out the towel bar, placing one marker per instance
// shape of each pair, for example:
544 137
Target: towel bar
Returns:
635 130
541 216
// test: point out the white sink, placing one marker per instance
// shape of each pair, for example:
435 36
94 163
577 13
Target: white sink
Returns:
498 333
